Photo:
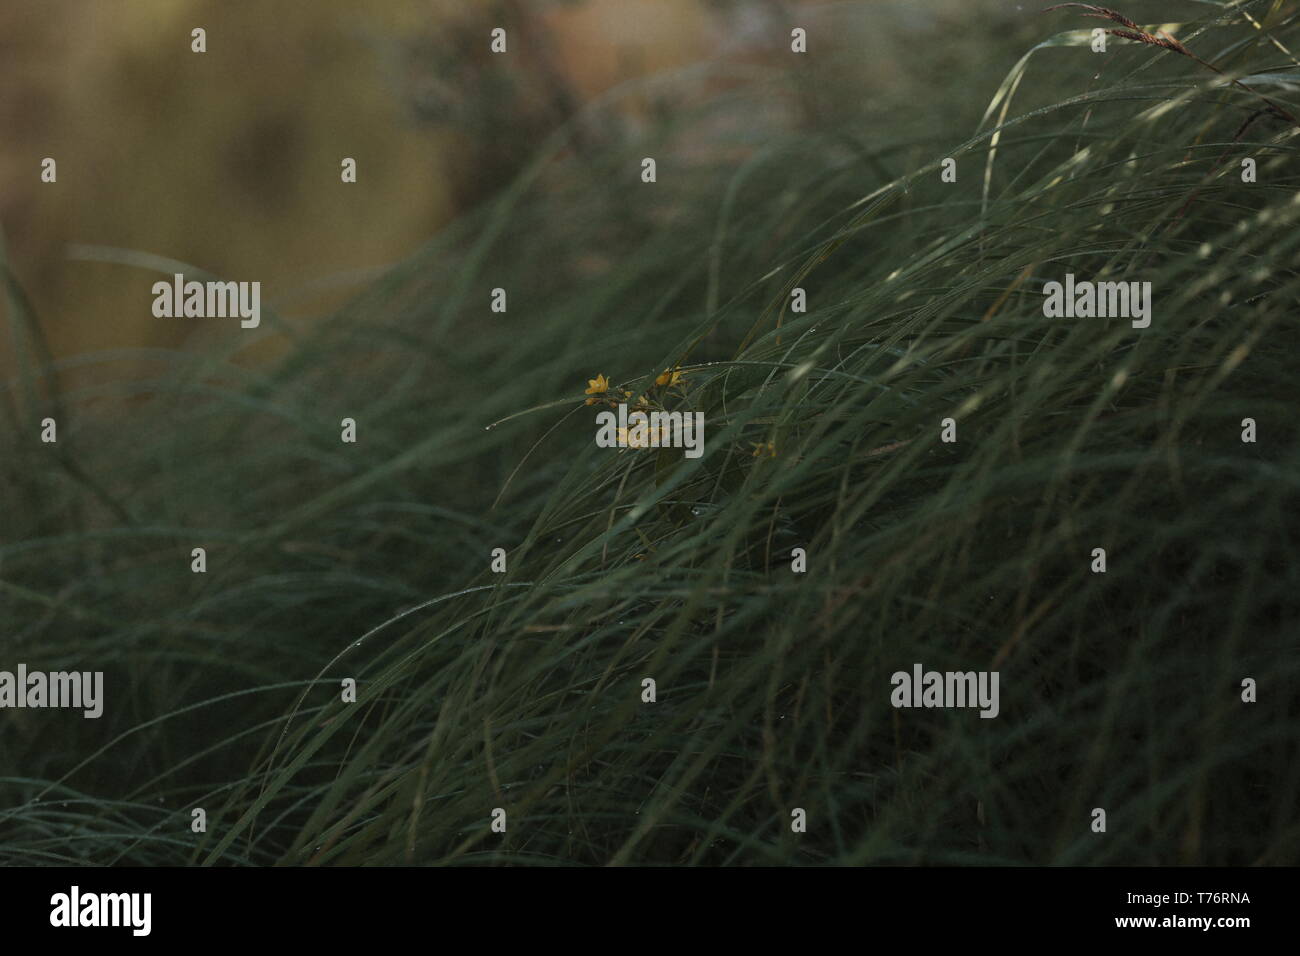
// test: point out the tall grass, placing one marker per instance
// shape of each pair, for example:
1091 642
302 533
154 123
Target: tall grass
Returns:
523 690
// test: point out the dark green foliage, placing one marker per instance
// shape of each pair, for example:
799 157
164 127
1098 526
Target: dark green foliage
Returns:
522 691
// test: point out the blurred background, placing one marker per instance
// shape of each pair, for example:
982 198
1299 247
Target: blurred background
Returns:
229 161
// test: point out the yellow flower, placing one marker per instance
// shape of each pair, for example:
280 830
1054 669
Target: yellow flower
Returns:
764 446
642 437
669 377
596 386
626 438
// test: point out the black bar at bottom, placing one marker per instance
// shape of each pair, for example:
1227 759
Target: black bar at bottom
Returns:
342 906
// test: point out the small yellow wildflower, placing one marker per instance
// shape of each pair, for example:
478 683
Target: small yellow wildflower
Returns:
669 377
760 447
641 436
628 438
596 386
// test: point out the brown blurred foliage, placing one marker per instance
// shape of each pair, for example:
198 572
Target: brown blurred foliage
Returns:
229 160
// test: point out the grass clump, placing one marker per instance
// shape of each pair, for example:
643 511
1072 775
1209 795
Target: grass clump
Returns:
523 690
